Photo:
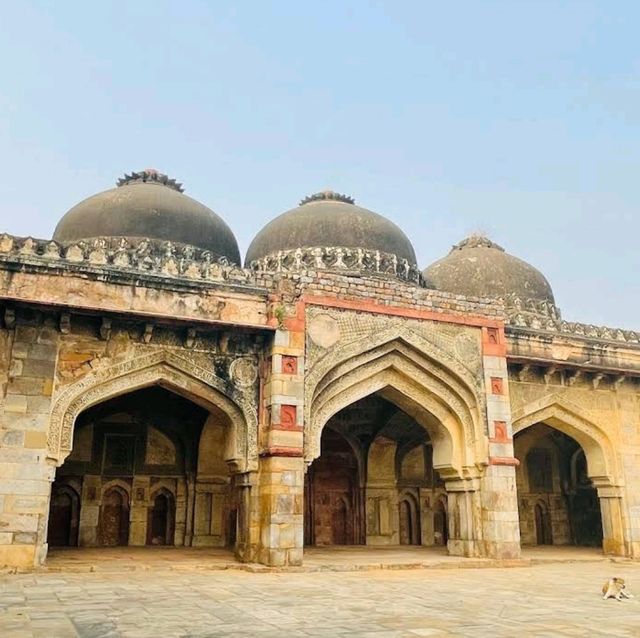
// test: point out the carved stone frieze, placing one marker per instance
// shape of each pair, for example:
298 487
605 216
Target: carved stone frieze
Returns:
149 256
338 258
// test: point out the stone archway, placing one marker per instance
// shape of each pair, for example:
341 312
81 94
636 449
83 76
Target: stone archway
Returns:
233 409
414 374
165 369
439 394
602 462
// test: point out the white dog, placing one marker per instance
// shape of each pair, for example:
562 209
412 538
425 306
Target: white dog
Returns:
615 588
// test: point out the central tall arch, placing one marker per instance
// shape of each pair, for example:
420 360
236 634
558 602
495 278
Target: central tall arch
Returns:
435 391
417 376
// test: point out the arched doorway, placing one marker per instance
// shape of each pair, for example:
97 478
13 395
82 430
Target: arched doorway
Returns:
333 494
372 479
149 469
409 526
160 526
440 524
542 524
558 503
113 524
64 513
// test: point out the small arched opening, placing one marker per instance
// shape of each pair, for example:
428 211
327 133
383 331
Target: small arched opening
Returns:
542 520
161 519
64 516
113 522
440 523
409 524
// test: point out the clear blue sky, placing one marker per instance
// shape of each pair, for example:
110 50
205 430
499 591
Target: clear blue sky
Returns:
518 119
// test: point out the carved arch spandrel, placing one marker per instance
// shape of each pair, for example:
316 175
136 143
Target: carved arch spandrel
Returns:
394 335
168 370
418 377
571 420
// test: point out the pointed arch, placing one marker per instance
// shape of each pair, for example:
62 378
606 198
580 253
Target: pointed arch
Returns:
414 374
166 369
568 418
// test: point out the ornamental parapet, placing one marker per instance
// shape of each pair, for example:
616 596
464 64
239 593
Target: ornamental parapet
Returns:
530 314
126 255
338 258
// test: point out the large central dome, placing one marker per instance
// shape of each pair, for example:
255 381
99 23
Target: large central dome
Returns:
328 219
150 205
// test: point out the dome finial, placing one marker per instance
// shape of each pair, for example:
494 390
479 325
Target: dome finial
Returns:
150 176
327 195
476 240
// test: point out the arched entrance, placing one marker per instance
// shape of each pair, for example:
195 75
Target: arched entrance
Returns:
409 526
333 507
155 424
113 522
440 524
584 497
64 516
411 416
147 468
558 503
542 524
374 480
161 522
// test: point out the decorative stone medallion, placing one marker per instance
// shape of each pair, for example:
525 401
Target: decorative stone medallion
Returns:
466 347
324 331
243 372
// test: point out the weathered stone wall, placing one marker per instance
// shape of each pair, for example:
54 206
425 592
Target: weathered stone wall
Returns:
25 471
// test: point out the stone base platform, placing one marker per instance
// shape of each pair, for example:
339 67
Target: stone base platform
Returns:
316 559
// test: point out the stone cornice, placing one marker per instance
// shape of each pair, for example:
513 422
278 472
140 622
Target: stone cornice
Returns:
531 316
148 262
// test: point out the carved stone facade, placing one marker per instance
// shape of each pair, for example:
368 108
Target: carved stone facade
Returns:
335 399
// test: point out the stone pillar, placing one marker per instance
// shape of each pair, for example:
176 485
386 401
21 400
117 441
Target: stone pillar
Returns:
139 514
426 509
281 473
90 500
499 500
281 510
191 501
613 528
29 352
463 516
382 521
248 531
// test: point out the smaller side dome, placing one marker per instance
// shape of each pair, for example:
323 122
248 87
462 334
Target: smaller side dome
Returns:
150 205
478 267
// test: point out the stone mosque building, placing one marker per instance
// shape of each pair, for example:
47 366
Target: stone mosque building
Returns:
155 391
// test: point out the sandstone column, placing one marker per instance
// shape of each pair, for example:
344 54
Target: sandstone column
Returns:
281 476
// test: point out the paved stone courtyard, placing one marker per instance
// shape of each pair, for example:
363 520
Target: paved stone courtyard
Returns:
555 599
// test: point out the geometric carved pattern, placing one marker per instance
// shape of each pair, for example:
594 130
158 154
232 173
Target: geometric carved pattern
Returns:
163 368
